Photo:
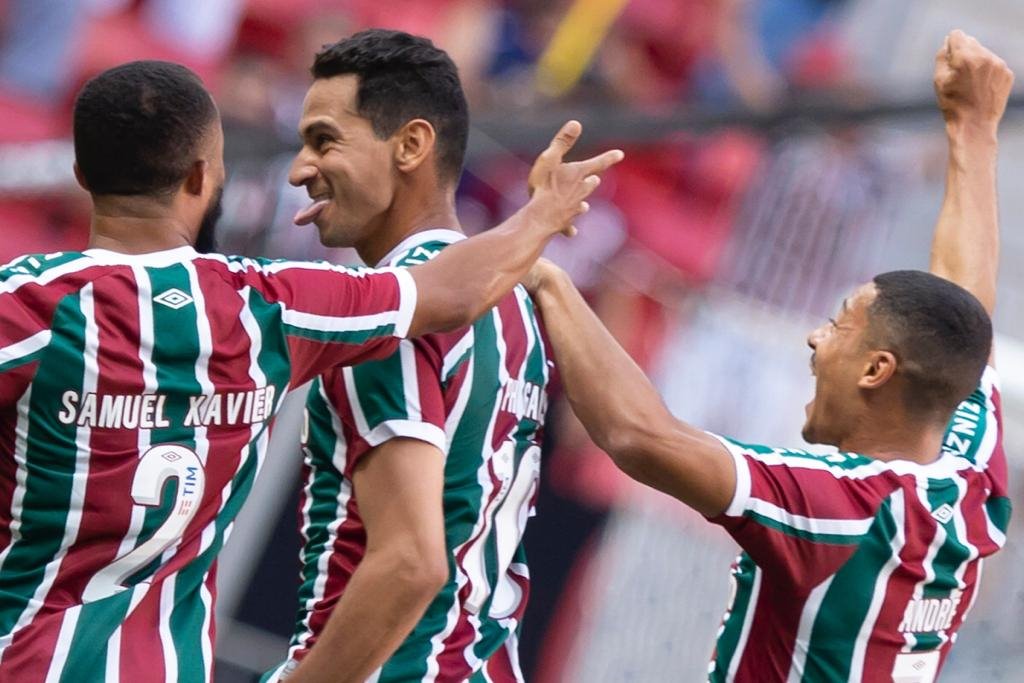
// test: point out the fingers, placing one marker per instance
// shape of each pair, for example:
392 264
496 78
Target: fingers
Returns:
600 163
563 141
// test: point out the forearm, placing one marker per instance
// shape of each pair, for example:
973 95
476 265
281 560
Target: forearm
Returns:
468 278
382 603
965 248
623 412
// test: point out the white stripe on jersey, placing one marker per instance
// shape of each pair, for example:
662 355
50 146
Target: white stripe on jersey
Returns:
79 479
68 623
410 380
808 615
460 349
326 323
814 525
113 670
748 620
166 637
25 347
899 539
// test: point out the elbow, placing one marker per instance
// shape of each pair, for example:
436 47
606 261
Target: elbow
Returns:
420 570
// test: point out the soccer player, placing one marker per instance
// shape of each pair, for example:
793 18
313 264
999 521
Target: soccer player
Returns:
860 565
138 380
453 418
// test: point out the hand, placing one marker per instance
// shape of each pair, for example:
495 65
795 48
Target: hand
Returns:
560 187
539 275
972 83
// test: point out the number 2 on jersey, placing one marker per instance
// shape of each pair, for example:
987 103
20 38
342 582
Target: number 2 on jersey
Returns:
156 467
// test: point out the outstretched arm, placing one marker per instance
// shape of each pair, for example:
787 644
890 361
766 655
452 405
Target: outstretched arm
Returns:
972 85
621 409
467 279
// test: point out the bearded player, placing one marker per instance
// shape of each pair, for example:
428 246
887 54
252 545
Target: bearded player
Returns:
421 468
138 380
861 565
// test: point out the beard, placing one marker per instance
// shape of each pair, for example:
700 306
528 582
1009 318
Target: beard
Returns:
206 239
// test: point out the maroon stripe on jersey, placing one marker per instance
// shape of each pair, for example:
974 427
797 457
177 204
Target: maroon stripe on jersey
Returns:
348 550
996 467
773 630
114 451
499 667
785 485
31 650
142 651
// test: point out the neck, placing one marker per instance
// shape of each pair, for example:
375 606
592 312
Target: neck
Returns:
897 440
132 225
407 217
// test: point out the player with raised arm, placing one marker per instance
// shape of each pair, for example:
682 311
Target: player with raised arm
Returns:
860 565
138 380
420 469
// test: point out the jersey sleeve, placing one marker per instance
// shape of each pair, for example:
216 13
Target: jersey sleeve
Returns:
800 516
398 396
332 315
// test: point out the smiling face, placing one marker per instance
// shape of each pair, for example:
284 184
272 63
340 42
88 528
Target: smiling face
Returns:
347 170
840 360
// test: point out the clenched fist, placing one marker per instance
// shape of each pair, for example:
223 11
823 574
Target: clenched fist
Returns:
972 83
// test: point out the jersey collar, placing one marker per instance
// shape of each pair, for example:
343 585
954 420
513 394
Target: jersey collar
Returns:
446 235
156 259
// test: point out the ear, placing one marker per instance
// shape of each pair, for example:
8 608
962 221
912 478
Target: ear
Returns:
880 368
80 178
196 176
415 144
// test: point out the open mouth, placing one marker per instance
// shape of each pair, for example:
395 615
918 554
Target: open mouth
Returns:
308 215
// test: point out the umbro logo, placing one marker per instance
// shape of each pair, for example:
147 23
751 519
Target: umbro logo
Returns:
943 513
173 298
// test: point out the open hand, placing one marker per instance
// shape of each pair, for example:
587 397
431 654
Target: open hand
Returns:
971 82
562 187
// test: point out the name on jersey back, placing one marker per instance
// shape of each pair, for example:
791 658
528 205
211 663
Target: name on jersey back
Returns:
147 411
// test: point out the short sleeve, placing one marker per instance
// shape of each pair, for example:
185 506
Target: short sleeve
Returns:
398 396
333 315
975 428
800 516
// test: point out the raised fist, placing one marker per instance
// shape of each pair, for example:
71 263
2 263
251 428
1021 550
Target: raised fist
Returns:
972 83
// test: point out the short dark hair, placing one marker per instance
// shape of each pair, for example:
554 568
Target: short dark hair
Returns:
138 127
403 77
940 332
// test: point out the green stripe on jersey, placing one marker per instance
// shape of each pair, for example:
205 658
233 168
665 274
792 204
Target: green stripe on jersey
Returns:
380 406
846 603
732 627
50 460
96 621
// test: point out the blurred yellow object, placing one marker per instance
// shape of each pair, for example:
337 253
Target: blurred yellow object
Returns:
575 41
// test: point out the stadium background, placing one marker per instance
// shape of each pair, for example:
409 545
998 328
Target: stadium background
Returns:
779 152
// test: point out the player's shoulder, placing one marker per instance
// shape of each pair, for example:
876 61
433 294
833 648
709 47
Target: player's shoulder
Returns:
36 267
799 457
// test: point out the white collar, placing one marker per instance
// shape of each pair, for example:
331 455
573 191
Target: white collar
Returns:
446 235
156 259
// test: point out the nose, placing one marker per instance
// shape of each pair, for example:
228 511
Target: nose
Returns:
814 337
302 170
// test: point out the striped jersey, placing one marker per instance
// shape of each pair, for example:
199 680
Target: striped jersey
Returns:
860 570
480 395
136 394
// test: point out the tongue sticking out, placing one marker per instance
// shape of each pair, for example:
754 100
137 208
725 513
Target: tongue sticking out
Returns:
309 214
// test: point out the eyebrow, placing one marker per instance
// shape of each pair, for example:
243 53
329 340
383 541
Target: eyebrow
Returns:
315 126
